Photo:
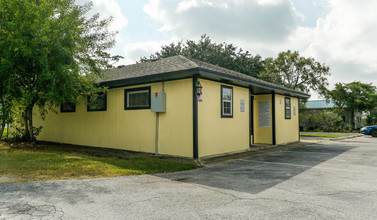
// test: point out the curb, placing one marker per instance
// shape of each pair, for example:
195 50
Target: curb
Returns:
348 137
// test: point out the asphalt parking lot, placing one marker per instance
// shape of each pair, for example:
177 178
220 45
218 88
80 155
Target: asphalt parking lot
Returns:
328 180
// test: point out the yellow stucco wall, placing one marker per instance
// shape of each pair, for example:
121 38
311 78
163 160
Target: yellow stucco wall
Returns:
262 135
286 129
222 135
128 129
176 127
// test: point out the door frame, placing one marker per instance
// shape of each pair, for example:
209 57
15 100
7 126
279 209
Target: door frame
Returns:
251 118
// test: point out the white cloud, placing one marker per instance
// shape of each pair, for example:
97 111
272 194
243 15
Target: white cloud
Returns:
108 8
344 38
134 51
227 20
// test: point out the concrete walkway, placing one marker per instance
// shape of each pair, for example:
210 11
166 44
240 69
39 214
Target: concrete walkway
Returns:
329 180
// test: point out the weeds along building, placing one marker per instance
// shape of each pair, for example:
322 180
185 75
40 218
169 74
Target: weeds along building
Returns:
181 107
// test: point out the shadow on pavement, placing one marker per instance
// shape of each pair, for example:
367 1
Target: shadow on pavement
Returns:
258 173
74 192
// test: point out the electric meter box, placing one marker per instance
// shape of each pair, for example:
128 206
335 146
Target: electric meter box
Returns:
158 102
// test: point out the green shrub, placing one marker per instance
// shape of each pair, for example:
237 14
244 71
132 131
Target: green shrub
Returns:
322 121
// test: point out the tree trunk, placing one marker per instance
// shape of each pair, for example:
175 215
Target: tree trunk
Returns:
26 124
352 124
29 132
2 127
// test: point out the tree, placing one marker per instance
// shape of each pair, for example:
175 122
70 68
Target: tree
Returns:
51 53
5 108
321 121
223 54
372 117
296 72
354 96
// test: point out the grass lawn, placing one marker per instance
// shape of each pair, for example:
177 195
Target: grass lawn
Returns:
323 135
50 162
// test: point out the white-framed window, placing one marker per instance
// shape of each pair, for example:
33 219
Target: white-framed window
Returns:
226 101
137 98
287 108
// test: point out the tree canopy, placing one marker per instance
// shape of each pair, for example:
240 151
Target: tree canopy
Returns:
225 55
296 72
354 96
51 53
288 69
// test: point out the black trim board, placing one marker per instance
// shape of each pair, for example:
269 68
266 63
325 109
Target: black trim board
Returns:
298 118
273 119
251 118
195 149
132 83
223 81
137 89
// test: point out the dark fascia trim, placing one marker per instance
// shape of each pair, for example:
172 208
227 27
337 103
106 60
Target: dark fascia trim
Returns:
66 111
221 101
273 120
150 82
276 94
249 83
291 96
224 81
263 93
137 89
168 76
195 135
97 110
285 108
199 72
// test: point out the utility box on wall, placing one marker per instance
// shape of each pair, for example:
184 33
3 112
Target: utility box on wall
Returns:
158 102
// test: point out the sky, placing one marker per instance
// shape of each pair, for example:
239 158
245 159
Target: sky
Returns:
341 34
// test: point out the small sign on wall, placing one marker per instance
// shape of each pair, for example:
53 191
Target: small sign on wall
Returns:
294 110
242 107
200 97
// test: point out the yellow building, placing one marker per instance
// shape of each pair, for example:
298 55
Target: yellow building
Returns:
179 106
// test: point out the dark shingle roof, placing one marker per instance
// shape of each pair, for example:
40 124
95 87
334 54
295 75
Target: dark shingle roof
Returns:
176 64
170 64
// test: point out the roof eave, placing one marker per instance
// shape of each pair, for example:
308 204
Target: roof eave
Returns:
198 72
151 78
253 83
